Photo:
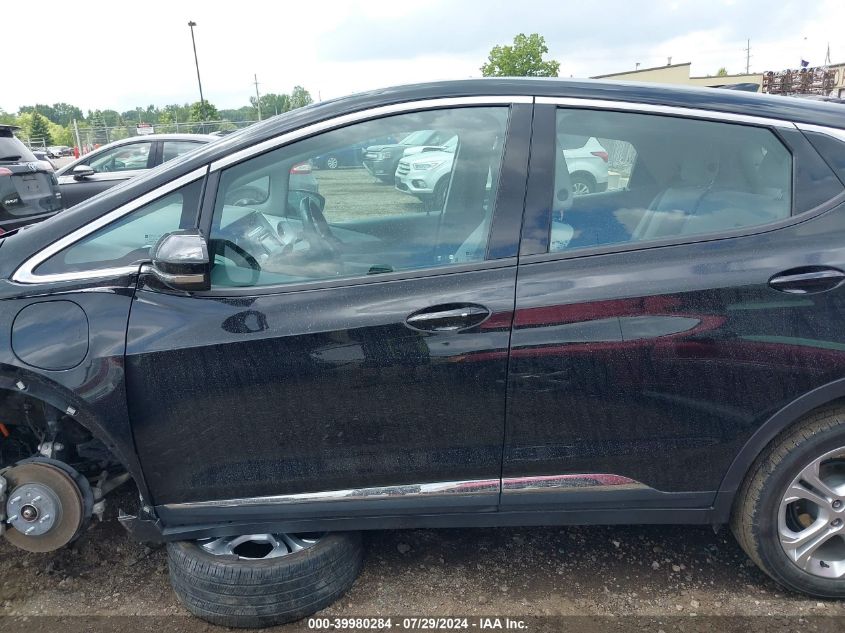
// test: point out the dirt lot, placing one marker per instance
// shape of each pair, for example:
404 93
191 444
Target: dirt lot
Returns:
673 575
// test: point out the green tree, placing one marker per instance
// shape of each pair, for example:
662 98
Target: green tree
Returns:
722 72
272 104
523 59
299 97
39 130
204 111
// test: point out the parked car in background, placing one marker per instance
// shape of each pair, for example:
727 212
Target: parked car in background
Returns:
29 191
40 154
424 171
57 151
349 156
279 370
381 160
119 161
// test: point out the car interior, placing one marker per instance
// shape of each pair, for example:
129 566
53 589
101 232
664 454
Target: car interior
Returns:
737 176
284 236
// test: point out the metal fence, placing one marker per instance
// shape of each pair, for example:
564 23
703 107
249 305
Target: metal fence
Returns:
102 135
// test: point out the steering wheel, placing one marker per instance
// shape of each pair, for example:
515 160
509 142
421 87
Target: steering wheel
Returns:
246 196
315 225
220 246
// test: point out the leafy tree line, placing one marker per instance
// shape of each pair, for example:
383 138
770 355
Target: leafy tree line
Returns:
53 124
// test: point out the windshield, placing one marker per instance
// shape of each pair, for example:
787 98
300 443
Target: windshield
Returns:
416 138
12 150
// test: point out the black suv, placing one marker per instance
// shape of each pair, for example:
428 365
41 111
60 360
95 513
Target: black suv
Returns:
277 369
29 191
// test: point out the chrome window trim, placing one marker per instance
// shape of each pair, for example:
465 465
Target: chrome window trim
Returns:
471 487
648 108
363 115
25 272
592 482
837 133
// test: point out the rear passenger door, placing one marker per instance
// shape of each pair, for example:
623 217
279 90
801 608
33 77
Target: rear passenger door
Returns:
661 320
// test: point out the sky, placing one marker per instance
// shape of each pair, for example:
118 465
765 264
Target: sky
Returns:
118 55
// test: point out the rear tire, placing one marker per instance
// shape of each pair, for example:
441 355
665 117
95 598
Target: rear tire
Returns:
583 184
234 592
766 522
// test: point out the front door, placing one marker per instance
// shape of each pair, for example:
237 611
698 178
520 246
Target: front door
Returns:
353 345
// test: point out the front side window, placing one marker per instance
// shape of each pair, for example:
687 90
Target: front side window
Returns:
628 178
287 216
122 158
128 240
172 149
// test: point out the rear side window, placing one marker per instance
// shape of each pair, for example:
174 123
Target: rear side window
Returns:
172 149
662 177
13 151
832 150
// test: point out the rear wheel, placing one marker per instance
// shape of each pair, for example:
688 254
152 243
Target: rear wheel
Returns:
789 515
332 162
263 579
582 184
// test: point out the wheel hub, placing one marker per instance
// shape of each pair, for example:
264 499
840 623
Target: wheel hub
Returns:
32 509
811 517
259 546
45 508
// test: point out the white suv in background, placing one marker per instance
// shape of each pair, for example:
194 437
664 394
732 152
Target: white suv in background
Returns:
424 171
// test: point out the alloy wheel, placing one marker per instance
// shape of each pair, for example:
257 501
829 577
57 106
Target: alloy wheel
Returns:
259 546
580 189
811 517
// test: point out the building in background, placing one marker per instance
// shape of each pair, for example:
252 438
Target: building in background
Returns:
820 81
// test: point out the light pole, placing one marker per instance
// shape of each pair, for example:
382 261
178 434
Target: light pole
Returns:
192 24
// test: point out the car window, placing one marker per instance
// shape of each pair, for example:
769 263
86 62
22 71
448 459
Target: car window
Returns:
626 177
12 150
282 218
172 149
122 158
128 240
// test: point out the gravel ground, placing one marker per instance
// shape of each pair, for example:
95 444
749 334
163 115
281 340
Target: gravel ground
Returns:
674 574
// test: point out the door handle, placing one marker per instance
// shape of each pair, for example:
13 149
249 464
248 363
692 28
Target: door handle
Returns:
449 317
807 280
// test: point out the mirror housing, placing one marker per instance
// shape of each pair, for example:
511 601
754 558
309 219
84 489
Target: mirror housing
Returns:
82 171
180 260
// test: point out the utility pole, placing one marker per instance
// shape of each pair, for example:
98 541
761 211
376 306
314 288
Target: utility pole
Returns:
748 56
192 24
257 97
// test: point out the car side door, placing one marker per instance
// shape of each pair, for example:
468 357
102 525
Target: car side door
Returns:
661 322
350 357
111 166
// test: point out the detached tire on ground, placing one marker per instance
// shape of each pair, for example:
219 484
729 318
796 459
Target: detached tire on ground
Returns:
229 590
789 515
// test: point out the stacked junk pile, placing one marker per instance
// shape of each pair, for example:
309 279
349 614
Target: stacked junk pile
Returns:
818 80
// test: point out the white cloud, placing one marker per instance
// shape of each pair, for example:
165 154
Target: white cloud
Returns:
121 56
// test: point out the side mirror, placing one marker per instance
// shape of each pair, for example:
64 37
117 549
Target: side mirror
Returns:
81 172
181 261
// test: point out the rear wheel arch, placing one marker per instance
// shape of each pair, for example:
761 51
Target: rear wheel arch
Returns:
827 395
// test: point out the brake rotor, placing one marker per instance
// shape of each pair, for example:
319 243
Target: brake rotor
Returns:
45 508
